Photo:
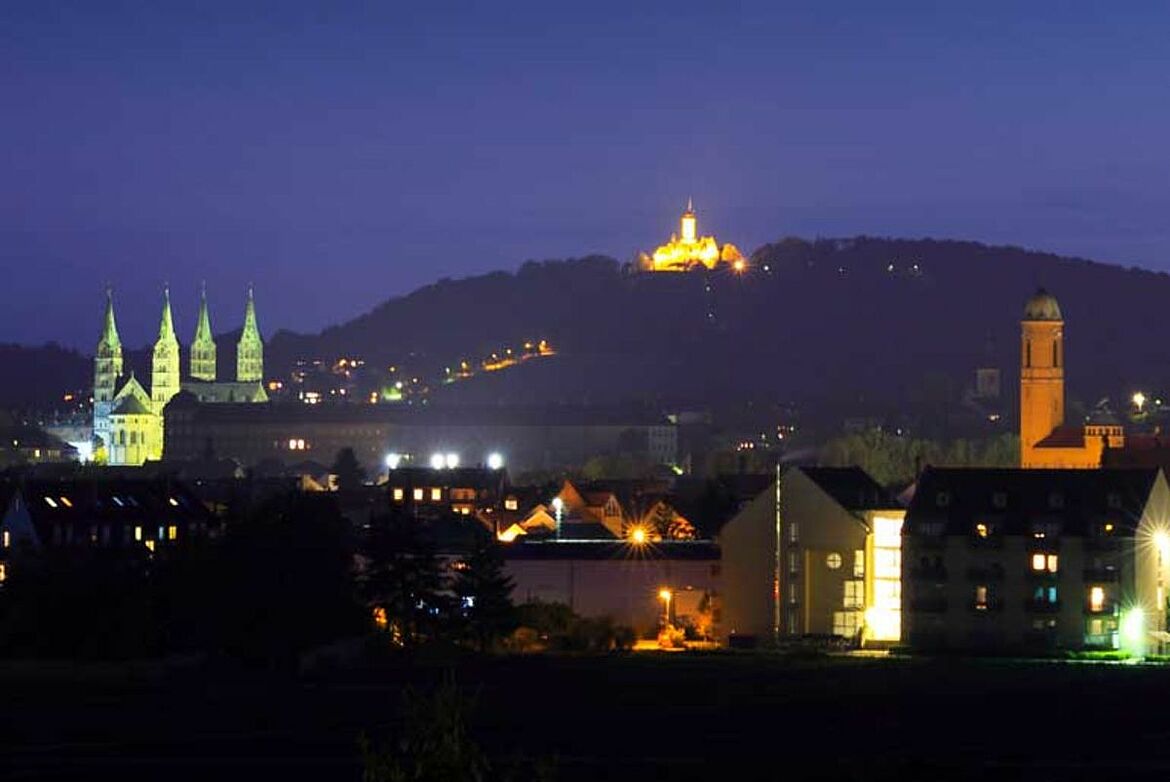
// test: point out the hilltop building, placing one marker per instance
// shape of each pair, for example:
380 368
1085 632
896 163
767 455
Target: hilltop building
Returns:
128 419
687 250
1046 441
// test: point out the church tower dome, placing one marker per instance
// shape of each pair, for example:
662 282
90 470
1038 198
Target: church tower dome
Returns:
1042 306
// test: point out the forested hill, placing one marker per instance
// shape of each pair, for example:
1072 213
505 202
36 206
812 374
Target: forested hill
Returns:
842 322
857 319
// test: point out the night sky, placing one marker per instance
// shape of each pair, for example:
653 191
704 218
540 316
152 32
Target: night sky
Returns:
339 154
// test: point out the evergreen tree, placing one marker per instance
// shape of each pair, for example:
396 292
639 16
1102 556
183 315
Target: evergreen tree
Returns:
349 471
404 578
485 594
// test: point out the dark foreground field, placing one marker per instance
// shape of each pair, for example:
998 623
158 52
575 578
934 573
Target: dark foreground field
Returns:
641 716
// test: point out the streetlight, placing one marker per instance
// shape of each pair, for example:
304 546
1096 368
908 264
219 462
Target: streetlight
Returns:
495 461
1139 401
664 595
638 536
558 506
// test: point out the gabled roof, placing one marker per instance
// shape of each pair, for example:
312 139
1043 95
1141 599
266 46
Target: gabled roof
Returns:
130 405
1016 498
851 488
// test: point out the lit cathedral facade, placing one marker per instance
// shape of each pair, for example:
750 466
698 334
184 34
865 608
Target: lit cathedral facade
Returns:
128 418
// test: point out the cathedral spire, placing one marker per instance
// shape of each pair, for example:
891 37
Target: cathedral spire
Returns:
690 205
250 349
166 326
109 337
203 346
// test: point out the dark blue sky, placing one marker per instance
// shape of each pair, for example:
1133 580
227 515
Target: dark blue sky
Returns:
338 154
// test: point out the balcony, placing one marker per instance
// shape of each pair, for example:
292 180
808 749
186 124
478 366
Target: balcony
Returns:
1042 606
928 573
986 574
1101 575
929 605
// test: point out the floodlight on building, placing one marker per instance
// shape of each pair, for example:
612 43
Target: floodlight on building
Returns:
1133 630
393 460
1139 401
451 460
495 461
438 461
1162 544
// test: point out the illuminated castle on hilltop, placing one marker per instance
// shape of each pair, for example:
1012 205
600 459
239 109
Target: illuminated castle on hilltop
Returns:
128 419
687 250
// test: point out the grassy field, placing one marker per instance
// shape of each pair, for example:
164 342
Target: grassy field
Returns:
643 716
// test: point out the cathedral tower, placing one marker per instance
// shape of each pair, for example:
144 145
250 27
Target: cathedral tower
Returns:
107 368
250 349
1041 373
164 368
203 346
688 224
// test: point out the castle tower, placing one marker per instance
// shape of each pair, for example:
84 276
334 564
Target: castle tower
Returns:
203 346
107 368
250 349
1041 373
164 368
688 224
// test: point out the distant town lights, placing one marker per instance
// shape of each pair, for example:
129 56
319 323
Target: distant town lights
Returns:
495 461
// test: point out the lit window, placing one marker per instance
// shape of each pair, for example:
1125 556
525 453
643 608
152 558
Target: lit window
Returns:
794 562
511 504
1053 563
436 494
1096 599
172 532
833 561
7 539
398 493
1109 528
981 530
846 623
859 564
794 593
981 597
793 532
65 501
174 502
1038 562
887 564
138 533
52 503
418 495
3 572
854 594
150 545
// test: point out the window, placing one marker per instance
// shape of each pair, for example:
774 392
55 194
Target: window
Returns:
981 530
398 494
1096 599
1028 353
846 623
150 545
511 504
7 539
172 532
794 562
436 494
854 594
1045 563
887 564
52 503
942 499
833 561
859 564
1056 353
1045 595
418 495
138 533
981 597
793 532
793 594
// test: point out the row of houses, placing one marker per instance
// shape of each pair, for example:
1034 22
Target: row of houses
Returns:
987 560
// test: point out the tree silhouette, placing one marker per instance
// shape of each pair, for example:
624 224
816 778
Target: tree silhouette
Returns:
485 593
349 471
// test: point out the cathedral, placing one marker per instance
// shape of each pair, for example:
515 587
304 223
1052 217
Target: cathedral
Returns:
1046 441
687 250
128 417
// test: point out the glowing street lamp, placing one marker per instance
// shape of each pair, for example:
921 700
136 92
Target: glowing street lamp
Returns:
1139 401
638 536
664 595
495 461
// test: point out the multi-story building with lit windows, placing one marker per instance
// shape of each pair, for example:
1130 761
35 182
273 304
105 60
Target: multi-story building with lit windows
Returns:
1007 560
839 550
